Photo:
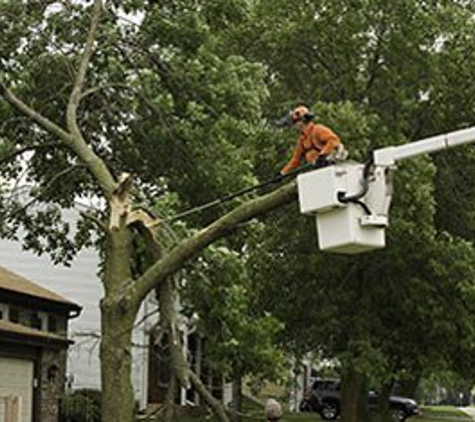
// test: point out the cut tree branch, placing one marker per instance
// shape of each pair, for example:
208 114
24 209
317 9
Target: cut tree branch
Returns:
215 404
172 262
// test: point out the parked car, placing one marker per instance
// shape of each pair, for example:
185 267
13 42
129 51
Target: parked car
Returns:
324 398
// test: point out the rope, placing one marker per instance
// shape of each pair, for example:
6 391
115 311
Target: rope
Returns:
276 180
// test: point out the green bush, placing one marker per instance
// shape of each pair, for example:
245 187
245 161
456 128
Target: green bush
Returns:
81 406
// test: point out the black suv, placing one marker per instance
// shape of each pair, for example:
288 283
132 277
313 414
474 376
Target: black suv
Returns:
324 398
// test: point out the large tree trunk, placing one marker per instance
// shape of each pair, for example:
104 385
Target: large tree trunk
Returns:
118 312
169 405
354 396
116 365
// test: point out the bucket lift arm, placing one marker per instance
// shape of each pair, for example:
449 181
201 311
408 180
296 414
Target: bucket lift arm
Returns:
391 155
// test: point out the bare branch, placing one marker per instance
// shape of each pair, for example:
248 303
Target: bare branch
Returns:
144 318
75 97
95 164
93 90
48 186
27 148
87 334
94 219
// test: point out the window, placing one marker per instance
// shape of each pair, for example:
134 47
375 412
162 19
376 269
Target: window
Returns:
35 321
14 315
3 311
52 324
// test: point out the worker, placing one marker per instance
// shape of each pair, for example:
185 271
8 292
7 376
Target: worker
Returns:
317 144
273 411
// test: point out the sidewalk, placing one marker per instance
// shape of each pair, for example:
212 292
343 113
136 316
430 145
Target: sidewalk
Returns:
470 411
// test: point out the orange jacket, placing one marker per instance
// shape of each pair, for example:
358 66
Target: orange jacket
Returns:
314 141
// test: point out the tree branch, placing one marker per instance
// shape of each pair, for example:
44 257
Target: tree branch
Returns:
75 98
215 404
171 263
98 88
41 120
45 189
73 138
96 165
27 148
98 222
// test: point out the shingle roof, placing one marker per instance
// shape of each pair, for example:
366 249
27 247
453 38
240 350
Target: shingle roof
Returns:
11 327
16 283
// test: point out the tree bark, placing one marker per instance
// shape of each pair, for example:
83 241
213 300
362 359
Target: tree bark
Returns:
118 312
382 412
169 408
116 364
236 405
354 396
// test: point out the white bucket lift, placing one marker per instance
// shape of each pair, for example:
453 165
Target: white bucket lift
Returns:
351 200
343 227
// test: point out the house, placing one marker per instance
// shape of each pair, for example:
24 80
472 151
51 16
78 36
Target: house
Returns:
80 280
33 347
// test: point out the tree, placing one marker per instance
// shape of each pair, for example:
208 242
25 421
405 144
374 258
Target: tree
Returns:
242 338
151 99
404 67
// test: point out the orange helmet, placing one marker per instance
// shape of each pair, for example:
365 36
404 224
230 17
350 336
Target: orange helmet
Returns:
300 113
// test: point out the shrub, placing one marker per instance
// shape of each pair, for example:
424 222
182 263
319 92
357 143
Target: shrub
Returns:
81 406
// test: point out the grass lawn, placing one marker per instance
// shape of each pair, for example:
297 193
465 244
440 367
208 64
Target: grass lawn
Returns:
441 414
254 413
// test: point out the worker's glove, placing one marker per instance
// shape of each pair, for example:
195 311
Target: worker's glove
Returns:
321 161
279 176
